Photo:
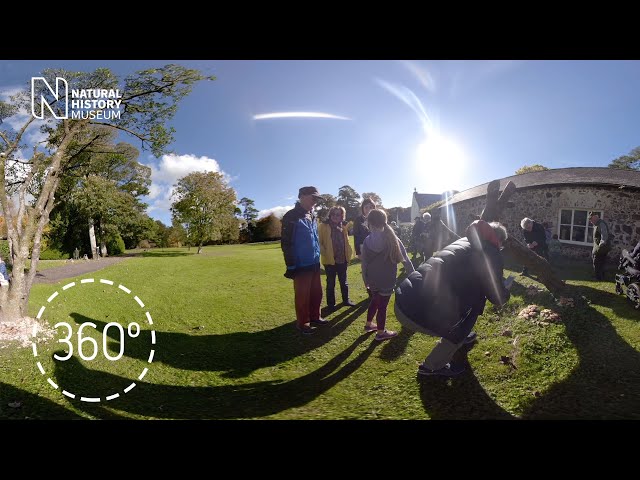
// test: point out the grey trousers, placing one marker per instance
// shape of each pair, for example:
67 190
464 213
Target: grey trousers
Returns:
444 349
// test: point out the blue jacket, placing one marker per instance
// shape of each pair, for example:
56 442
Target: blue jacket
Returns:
300 242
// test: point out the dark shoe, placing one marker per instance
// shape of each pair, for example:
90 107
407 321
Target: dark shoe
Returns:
385 335
349 303
448 370
320 321
306 329
472 337
330 309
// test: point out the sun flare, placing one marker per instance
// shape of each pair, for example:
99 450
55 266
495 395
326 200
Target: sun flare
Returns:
441 163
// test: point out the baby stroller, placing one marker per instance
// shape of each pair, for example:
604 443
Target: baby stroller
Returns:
630 279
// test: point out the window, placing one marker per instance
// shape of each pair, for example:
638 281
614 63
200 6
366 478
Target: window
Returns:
575 227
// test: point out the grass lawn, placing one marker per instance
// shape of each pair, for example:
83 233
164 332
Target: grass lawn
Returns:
226 347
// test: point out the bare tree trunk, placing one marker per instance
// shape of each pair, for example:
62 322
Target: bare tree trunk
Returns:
496 202
92 239
103 243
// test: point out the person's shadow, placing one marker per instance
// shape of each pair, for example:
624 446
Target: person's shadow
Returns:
16 403
604 385
235 354
259 399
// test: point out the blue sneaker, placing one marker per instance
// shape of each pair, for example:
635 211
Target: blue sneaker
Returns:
447 371
319 321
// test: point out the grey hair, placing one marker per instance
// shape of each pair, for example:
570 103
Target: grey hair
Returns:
426 216
525 221
499 230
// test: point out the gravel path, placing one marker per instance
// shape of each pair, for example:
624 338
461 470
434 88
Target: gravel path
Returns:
79 267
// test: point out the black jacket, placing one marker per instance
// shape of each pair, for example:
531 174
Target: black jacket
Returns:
537 234
360 232
457 278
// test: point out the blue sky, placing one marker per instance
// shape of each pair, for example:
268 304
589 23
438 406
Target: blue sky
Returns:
432 125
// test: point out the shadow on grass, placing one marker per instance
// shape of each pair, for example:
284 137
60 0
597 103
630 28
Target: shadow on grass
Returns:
235 354
33 406
394 349
604 385
249 400
459 398
166 254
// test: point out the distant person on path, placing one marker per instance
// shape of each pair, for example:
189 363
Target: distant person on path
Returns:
381 252
76 254
301 247
535 238
335 254
448 292
601 244
3 271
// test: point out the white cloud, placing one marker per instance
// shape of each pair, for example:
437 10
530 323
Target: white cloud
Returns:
171 168
267 116
277 211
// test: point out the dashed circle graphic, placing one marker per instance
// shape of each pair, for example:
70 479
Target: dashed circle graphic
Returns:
108 397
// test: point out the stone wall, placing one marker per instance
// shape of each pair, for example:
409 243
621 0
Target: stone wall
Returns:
621 212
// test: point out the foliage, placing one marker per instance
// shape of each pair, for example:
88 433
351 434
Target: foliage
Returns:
530 168
4 251
267 228
350 200
30 185
375 197
627 162
115 245
53 254
324 205
205 205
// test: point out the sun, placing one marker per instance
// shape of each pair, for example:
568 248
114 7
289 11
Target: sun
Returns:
441 163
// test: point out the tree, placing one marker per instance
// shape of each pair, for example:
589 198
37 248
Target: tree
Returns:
627 162
324 205
373 196
118 164
530 168
249 213
350 200
205 205
268 228
149 100
177 234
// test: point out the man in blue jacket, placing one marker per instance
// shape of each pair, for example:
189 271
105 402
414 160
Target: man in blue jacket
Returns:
447 293
301 248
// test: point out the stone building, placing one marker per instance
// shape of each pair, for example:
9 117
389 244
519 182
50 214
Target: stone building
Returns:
561 198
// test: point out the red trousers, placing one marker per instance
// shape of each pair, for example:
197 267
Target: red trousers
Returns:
308 294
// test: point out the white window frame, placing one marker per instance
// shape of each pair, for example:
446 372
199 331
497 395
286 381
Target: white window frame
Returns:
573 211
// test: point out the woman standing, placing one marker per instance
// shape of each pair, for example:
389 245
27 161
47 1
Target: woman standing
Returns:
381 253
335 254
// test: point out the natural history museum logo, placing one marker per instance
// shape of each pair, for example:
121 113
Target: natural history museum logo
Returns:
82 104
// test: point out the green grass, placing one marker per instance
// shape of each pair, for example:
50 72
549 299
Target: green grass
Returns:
227 348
